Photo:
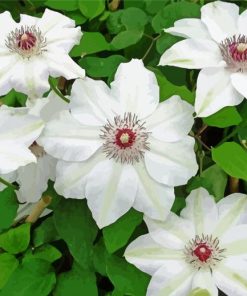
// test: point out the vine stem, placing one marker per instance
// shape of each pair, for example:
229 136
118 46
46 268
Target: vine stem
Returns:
233 133
151 45
8 184
53 87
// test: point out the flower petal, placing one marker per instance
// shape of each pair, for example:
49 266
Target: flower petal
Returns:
30 76
173 278
242 23
71 176
234 241
171 121
171 163
91 102
193 54
52 19
149 256
239 82
231 276
10 177
8 61
215 91
110 190
34 177
65 138
174 233
13 155
201 210
189 28
203 279
152 198
136 88
232 211
60 64
28 20
220 18
7 24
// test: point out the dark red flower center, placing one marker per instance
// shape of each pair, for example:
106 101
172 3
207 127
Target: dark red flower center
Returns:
238 51
26 41
202 252
125 138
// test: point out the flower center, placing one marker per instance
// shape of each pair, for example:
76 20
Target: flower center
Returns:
203 251
26 41
125 139
234 52
37 150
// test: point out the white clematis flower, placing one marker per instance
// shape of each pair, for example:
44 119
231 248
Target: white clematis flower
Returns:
206 247
217 44
18 130
33 178
35 48
120 148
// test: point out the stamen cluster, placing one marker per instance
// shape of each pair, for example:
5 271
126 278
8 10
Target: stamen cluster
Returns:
125 139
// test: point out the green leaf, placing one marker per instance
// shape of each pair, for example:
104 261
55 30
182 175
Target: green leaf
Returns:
125 39
227 116
62 5
8 208
166 17
45 252
76 282
199 292
77 17
8 263
101 67
46 232
154 6
35 277
232 158
167 89
114 22
10 98
134 19
91 42
117 234
75 225
165 41
16 240
126 278
91 9
100 257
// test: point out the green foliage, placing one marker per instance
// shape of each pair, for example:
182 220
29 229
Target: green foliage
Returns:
8 263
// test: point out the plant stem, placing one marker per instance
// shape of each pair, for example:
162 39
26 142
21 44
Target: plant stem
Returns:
233 133
53 87
8 184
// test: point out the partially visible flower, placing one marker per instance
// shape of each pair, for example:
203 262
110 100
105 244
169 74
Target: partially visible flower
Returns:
35 48
33 178
217 44
206 247
18 130
120 148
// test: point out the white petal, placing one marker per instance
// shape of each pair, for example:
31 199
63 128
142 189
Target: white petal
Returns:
136 88
231 276
239 82
52 19
215 91
234 241
171 121
174 233
172 279
203 279
8 61
193 54
201 210
30 76
71 176
149 256
13 155
10 177
67 139
28 20
18 126
34 177
110 190
63 39
7 24
242 23
189 28
91 102
220 19
171 163
152 198
60 64
232 211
